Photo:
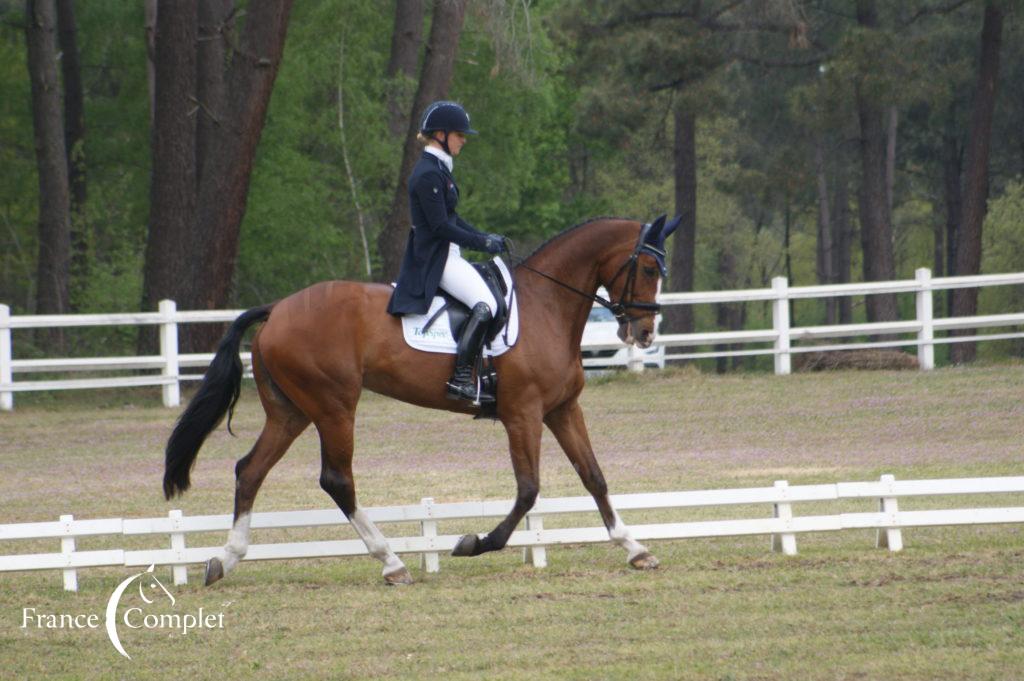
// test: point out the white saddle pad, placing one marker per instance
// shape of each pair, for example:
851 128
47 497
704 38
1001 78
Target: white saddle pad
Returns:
438 338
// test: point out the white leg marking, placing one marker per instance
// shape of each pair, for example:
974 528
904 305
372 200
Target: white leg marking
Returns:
238 543
621 535
375 542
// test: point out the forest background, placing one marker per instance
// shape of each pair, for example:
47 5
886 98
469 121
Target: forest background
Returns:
224 154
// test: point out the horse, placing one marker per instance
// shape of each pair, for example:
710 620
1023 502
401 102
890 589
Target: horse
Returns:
320 347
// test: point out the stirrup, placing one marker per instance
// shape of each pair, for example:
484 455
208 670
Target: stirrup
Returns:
468 392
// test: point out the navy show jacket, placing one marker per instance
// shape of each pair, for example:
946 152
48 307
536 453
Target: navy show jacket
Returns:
433 197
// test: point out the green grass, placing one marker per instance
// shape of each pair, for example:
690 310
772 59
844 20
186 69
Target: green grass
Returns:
951 605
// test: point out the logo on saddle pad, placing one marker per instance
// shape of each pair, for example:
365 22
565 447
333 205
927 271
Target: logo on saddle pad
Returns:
436 332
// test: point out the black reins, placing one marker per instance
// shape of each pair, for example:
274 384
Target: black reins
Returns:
618 309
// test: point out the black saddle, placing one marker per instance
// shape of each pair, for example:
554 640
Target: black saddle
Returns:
458 312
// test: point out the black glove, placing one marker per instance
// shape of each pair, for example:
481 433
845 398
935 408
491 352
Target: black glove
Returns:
494 243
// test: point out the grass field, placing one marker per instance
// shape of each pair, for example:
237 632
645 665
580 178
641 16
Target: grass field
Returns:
951 605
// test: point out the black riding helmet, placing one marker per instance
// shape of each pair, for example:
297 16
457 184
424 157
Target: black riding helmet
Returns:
447 117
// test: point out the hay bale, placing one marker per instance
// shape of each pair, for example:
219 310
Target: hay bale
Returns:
854 359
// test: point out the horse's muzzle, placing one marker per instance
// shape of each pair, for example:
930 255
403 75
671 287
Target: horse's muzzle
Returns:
631 333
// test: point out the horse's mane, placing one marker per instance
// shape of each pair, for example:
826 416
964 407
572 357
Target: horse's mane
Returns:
568 231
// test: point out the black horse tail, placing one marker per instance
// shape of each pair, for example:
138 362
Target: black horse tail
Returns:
216 396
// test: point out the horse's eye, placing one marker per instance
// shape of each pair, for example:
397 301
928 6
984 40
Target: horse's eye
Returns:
650 271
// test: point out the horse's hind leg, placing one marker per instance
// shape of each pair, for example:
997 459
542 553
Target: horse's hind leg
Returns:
284 423
336 444
570 430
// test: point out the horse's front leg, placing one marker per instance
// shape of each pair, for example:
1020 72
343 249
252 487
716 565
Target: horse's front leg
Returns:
567 423
524 431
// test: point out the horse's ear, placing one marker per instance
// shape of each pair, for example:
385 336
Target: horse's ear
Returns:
654 233
672 226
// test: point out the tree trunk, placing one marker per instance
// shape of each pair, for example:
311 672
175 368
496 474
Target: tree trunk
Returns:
876 230
737 321
74 141
825 255
224 184
728 315
842 239
149 25
679 318
578 162
206 126
951 171
360 214
787 233
435 79
975 196
170 265
892 126
405 51
54 208
215 19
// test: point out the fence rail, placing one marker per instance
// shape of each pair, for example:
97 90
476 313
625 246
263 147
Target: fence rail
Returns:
783 337
782 524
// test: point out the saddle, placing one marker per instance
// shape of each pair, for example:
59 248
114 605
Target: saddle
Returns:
458 312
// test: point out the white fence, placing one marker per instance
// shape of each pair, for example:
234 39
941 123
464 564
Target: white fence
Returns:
782 524
782 336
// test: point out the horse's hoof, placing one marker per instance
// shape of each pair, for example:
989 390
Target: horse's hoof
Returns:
214 571
469 545
398 577
644 561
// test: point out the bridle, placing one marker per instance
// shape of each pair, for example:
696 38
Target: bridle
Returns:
629 268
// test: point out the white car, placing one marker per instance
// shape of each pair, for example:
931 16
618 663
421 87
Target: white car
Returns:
602 329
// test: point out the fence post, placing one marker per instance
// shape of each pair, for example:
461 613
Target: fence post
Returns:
429 561
6 370
169 351
67 547
635 363
539 554
925 347
780 323
890 538
784 511
180 572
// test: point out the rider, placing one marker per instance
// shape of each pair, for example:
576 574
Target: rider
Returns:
433 258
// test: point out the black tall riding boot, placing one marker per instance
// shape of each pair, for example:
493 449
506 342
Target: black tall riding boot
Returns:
461 386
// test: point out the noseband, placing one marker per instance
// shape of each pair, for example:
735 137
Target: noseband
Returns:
620 308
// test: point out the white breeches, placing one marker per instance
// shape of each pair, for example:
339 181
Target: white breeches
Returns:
465 283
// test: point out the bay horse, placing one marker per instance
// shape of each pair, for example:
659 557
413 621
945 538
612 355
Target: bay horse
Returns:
320 347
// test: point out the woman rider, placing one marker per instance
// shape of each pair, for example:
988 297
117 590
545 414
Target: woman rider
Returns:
433 257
